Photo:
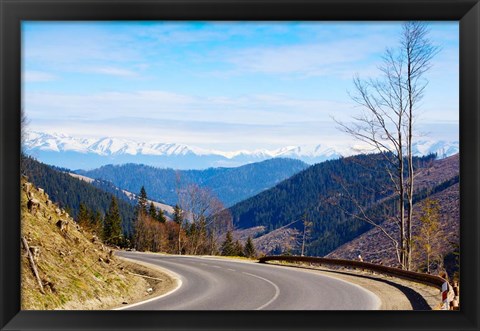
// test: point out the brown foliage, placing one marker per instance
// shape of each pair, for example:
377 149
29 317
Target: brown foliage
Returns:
154 236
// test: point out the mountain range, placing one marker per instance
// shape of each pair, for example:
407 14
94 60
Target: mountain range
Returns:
88 153
229 185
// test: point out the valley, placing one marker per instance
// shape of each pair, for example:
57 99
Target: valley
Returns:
230 185
269 201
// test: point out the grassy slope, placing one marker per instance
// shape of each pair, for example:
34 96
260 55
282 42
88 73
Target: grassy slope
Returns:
77 274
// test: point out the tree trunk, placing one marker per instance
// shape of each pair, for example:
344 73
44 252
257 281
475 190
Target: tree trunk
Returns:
401 203
303 241
32 264
410 163
179 240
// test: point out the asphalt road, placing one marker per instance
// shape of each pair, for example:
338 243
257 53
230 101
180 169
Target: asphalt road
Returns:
208 283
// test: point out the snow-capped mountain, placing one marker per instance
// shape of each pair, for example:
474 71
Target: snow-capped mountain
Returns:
117 146
103 146
441 148
87 153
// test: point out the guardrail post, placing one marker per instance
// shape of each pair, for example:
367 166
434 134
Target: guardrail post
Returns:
445 304
448 296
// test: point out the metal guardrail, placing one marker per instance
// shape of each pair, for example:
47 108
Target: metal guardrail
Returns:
427 279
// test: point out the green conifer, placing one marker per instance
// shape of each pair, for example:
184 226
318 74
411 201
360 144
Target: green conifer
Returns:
161 216
83 217
250 248
142 201
112 228
152 211
177 215
238 249
228 246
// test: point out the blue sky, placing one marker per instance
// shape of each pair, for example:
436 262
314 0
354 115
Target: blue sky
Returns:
218 85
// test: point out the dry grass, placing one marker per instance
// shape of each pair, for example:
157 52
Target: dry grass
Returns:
242 258
77 271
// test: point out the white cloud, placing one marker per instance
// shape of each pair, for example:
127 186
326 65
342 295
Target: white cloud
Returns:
157 104
110 71
37 76
315 59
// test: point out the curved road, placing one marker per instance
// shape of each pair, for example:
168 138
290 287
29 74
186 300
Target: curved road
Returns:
209 283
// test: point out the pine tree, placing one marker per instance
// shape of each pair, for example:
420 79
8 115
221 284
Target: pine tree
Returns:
112 228
228 246
142 201
250 248
152 211
84 216
96 222
238 249
161 216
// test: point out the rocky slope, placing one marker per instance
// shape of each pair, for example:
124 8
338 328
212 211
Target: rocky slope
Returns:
73 269
280 241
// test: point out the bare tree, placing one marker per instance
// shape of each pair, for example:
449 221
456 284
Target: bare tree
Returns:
419 52
150 234
178 220
306 231
218 223
206 216
386 122
179 215
24 122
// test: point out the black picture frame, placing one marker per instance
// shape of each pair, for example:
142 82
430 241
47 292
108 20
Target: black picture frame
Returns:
13 12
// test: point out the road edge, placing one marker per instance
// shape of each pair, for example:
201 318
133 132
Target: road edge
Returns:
170 273
352 277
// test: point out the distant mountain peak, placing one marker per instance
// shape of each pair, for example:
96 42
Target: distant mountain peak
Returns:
177 155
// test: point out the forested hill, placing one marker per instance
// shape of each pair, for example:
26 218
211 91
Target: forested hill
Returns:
323 193
69 192
230 185
440 183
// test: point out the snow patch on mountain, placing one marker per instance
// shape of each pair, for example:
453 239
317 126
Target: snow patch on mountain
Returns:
110 146
442 148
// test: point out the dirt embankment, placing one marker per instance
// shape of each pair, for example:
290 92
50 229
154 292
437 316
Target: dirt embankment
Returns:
66 267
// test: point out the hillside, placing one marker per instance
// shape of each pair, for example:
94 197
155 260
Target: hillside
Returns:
69 192
321 192
283 240
230 185
75 269
438 172
372 244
